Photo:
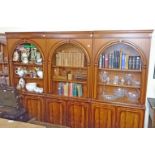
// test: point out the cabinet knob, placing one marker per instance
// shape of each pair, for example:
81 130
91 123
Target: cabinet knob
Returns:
88 45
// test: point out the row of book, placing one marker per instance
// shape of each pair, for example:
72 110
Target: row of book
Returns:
70 89
119 60
70 59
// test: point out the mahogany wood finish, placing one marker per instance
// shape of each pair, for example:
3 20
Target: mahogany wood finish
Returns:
35 106
103 115
56 111
4 64
86 111
78 114
130 117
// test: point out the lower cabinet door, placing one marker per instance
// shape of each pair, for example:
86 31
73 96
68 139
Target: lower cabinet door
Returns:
35 107
130 117
56 111
77 114
102 116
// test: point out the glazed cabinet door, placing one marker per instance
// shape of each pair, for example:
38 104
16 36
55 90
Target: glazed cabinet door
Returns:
35 107
102 116
77 114
130 117
56 111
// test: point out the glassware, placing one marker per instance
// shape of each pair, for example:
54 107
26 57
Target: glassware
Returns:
103 76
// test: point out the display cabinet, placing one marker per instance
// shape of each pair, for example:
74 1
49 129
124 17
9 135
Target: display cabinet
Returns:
4 64
121 61
69 70
120 73
28 68
27 62
81 79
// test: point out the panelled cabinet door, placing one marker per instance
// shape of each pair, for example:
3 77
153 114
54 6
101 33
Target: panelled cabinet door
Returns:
103 116
77 114
35 107
56 111
130 118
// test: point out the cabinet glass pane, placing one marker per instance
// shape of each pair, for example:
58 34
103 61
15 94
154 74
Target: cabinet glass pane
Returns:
69 71
119 74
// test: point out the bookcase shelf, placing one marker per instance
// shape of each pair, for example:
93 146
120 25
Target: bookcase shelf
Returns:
119 72
4 65
111 95
27 61
69 81
69 71
122 86
70 67
27 65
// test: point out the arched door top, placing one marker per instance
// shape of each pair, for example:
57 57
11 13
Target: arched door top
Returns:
69 44
25 41
122 43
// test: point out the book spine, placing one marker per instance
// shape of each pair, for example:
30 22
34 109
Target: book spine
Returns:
66 89
74 89
106 61
137 66
123 61
100 61
126 61
130 62
71 89
110 60
60 88
134 62
114 60
120 60
103 61
79 90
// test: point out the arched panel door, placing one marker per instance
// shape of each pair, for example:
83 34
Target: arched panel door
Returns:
4 65
120 73
27 62
69 70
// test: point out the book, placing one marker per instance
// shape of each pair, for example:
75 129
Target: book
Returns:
65 89
120 60
79 90
100 61
130 62
123 61
106 61
60 89
126 61
74 89
137 63
110 60
103 60
71 89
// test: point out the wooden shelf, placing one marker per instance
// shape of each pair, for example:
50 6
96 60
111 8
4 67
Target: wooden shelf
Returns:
120 70
122 86
29 64
122 101
29 78
69 81
70 67
4 74
4 63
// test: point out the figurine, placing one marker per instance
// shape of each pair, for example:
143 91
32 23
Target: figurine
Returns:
24 55
16 55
